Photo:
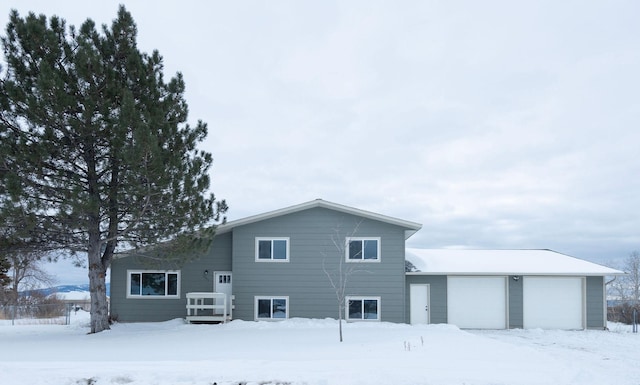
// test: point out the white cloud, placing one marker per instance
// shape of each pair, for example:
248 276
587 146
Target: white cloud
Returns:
495 124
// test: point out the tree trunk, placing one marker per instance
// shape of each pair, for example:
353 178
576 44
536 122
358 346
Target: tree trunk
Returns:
340 320
14 285
98 290
97 268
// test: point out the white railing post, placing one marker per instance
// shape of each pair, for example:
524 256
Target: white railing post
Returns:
198 307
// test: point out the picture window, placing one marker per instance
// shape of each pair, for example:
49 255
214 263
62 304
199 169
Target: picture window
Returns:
153 284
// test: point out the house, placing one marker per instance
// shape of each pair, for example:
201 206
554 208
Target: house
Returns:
278 265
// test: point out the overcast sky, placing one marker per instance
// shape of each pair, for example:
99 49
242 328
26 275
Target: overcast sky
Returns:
495 124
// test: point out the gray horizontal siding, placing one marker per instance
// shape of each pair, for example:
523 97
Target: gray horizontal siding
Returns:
595 303
594 300
516 308
303 279
437 296
192 278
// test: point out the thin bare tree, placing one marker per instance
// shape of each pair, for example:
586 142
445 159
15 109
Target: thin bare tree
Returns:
28 273
616 289
632 279
627 287
339 272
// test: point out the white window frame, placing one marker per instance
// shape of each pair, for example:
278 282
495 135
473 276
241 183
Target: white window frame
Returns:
271 239
362 239
362 298
166 283
271 298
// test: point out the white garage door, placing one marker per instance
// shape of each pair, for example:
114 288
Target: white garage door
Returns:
477 302
553 302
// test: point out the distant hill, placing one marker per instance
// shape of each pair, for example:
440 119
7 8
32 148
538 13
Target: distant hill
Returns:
64 289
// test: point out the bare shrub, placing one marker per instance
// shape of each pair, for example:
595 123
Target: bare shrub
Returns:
49 307
623 313
36 305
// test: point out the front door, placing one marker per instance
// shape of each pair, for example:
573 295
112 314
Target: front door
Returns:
419 308
222 284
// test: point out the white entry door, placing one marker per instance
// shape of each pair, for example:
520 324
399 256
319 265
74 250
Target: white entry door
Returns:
419 308
222 284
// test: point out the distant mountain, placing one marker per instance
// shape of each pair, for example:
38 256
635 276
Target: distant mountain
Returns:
64 289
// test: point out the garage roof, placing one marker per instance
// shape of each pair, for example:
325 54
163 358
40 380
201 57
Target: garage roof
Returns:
501 262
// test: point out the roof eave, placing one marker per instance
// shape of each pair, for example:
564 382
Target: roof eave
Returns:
411 227
504 273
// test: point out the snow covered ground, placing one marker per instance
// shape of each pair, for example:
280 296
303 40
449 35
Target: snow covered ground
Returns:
301 351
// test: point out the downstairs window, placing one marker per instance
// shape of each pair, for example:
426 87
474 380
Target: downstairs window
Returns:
153 284
272 308
363 308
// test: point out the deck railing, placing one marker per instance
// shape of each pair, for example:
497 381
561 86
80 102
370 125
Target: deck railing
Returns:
209 307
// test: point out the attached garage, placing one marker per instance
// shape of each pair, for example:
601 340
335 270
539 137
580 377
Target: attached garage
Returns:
498 289
477 302
553 302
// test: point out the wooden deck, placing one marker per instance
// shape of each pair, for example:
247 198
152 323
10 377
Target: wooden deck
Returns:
208 307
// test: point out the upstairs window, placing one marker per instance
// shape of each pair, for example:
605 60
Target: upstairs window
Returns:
153 284
363 250
272 249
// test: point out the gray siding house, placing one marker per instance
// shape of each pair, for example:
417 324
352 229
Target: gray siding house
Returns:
277 265
280 264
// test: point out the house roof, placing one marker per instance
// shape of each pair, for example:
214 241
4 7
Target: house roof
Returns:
410 227
501 262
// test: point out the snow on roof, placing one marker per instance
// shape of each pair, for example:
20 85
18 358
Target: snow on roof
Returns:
508 262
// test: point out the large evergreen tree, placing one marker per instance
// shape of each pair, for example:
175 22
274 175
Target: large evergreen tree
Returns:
95 152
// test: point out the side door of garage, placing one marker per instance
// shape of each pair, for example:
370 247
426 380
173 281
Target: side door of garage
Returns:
419 304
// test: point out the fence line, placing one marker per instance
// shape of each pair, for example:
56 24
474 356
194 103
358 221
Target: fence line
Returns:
35 314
